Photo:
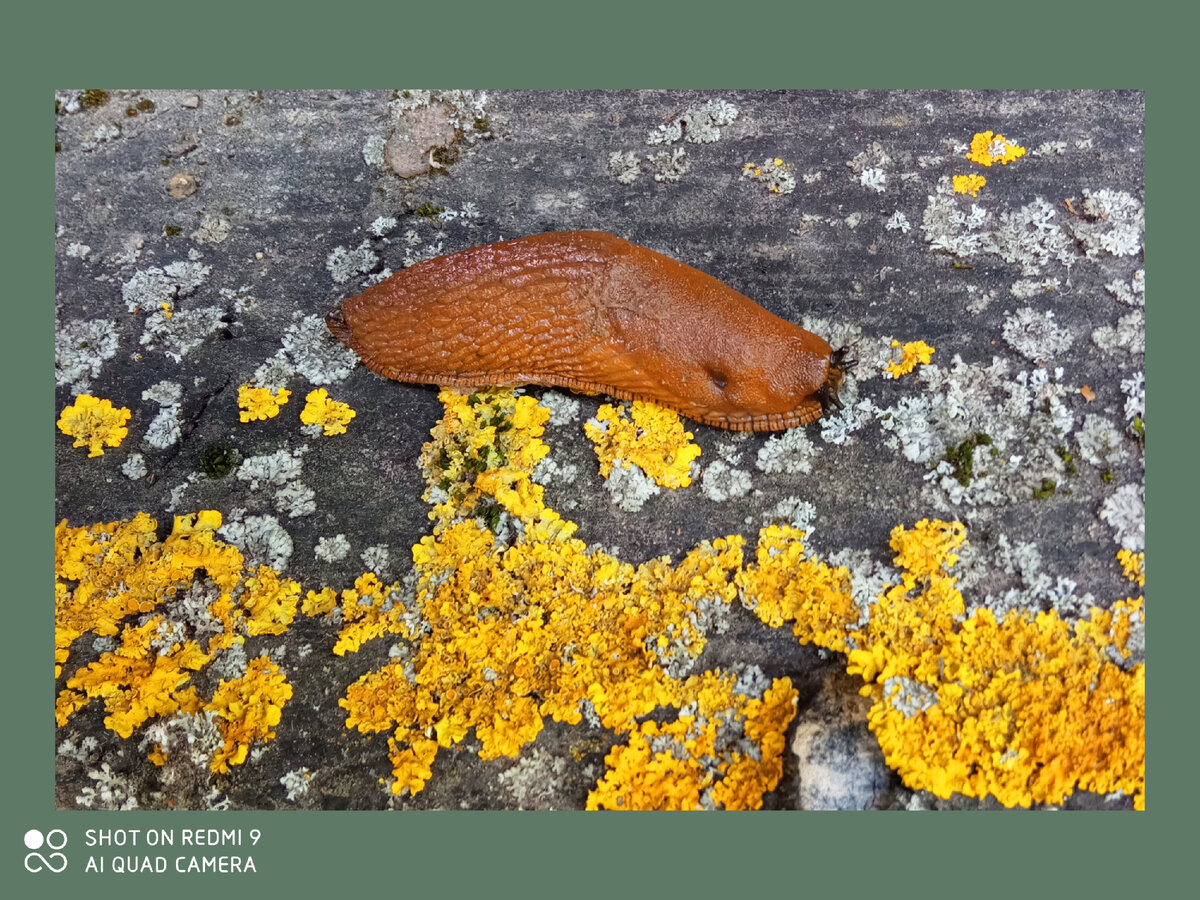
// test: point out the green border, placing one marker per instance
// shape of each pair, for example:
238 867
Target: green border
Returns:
604 45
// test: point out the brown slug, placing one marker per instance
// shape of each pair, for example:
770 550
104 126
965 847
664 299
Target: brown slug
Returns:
592 312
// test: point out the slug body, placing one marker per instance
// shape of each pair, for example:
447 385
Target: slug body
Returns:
591 312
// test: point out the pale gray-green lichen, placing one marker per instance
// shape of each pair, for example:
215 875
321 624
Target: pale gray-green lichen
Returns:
261 539
80 350
332 549
722 482
1035 335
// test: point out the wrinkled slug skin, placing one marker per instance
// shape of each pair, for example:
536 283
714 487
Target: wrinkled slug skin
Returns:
589 311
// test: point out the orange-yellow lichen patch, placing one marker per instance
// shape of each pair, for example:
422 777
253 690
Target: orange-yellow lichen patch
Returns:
1109 629
369 610
912 354
503 632
96 604
1134 566
1024 713
379 699
517 633
478 432
137 681
94 423
533 630
703 759
908 620
413 765
480 462
969 184
785 586
247 710
256 404
270 602
647 436
988 148
332 416
516 493
1026 708
121 568
319 603
512 634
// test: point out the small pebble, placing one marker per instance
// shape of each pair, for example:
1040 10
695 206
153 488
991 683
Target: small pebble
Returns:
839 763
182 185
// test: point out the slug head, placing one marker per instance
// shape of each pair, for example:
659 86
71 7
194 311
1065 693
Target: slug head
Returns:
766 383
827 393
336 322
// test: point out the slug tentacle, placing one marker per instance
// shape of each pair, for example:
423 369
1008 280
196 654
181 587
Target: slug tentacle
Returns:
828 392
591 312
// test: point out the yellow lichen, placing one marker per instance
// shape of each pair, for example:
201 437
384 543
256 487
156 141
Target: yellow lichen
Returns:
247 709
988 148
121 569
695 761
259 403
1109 629
969 184
379 699
1026 708
94 423
369 610
540 619
513 634
319 603
413 765
503 634
1023 713
547 620
332 416
481 459
912 354
1134 566
137 681
271 602
647 436
785 586
205 521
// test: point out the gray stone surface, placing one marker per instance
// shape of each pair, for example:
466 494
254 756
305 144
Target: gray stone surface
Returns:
249 213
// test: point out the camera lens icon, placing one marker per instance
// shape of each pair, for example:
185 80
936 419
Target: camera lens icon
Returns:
55 839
